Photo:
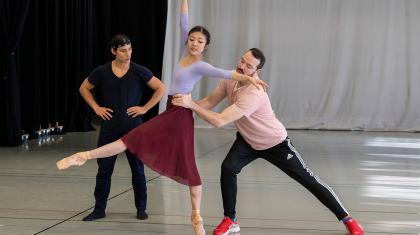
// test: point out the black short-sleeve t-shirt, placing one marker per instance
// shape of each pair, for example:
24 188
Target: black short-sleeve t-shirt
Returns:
120 93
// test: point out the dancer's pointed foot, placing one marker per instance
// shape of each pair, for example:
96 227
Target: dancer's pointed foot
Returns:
77 159
197 222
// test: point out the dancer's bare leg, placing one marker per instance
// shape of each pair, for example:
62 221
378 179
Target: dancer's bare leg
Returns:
80 158
196 220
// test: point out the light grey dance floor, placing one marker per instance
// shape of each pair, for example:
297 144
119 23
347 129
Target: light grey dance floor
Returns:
375 174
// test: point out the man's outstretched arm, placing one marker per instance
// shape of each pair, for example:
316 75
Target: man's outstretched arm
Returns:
210 101
228 115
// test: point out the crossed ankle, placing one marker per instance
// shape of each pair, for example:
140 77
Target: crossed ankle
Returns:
196 217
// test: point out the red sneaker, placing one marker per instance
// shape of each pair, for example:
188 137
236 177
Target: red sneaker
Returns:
226 227
353 227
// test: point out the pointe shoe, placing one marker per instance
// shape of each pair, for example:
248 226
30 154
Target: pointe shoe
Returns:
197 223
77 159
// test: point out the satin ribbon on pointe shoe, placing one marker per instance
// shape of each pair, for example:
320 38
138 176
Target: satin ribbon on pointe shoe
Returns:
197 222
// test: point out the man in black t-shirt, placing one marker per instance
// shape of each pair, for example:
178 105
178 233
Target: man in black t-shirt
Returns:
119 87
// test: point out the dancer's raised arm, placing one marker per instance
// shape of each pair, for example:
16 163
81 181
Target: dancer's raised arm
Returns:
184 6
184 26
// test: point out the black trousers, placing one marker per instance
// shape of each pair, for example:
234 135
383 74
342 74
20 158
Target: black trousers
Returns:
287 159
106 168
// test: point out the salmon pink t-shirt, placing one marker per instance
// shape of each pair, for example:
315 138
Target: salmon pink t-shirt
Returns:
259 126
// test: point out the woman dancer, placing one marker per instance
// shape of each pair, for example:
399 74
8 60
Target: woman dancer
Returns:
166 142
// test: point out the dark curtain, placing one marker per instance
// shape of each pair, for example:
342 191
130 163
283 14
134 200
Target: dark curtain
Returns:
12 20
63 41
55 54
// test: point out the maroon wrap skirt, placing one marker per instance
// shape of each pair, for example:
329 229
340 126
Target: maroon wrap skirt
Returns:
165 144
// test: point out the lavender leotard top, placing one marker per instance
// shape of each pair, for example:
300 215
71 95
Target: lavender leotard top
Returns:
184 78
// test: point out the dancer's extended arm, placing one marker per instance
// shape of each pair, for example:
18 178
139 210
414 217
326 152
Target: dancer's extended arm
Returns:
209 70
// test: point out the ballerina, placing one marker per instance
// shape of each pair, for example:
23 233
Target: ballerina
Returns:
166 142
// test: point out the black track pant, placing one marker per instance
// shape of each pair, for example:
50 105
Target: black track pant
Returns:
287 159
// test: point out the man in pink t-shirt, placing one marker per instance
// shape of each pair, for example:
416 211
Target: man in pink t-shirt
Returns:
260 135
